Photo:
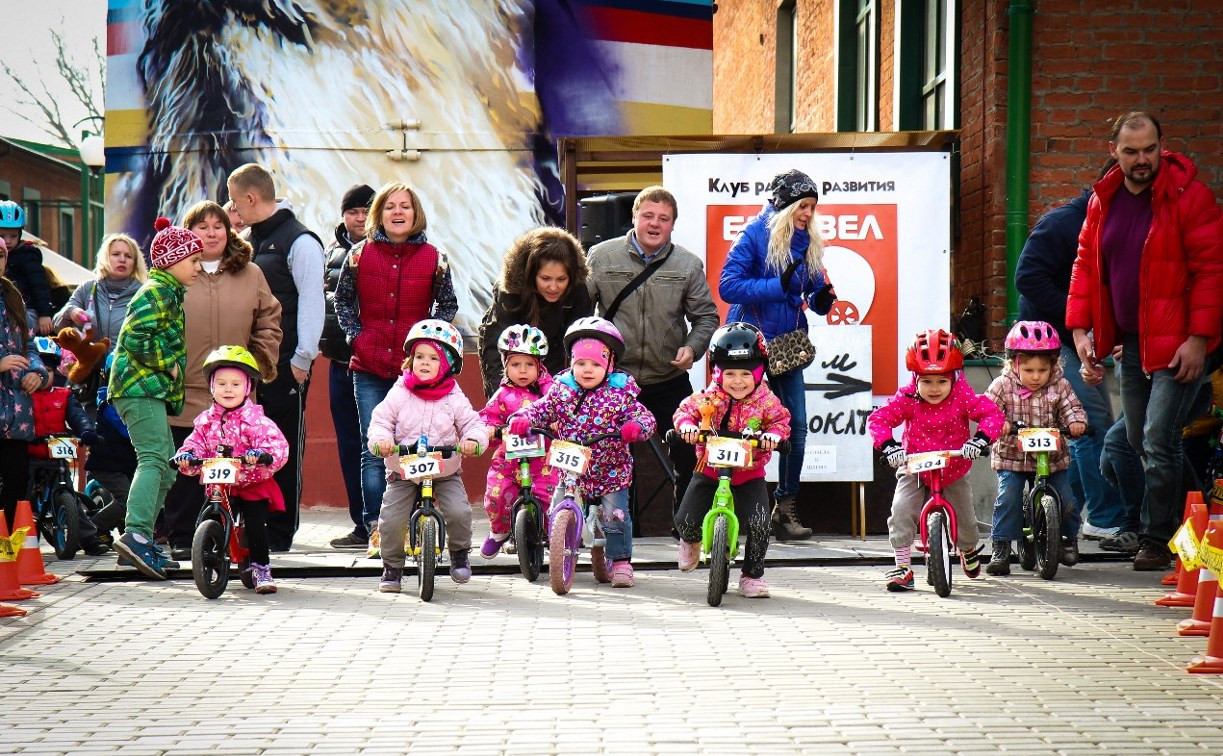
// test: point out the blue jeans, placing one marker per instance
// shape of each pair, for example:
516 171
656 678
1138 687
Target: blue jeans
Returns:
1090 487
790 390
369 391
1156 408
348 439
1008 507
1122 467
619 533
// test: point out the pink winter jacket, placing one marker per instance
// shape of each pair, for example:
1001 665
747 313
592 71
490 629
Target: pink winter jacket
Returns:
937 427
1054 406
403 417
244 429
507 400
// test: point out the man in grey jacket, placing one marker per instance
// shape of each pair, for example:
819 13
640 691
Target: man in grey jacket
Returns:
654 318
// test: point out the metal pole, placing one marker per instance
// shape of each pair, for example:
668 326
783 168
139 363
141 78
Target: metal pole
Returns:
85 236
1018 143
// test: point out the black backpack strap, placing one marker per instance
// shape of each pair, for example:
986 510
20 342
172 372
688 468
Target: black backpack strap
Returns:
614 307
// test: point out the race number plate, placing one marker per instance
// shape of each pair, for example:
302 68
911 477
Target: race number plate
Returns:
419 468
728 452
519 447
62 448
220 471
1039 439
569 456
925 461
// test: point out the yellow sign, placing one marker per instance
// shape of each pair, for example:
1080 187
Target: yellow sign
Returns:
1212 557
1187 546
11 545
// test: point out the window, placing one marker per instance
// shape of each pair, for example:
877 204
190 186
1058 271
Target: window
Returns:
858 68
925 65
786 76
6 191
67 222
32 199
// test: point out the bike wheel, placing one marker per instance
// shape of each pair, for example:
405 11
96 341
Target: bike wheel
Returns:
245 574
210 559
1048 536
938 553
1027 541
66 525
526 538
600 564
561 558
719 563
426 566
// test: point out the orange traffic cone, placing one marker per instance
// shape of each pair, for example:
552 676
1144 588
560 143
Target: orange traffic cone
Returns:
30 568
1174 577
1212 661
1186 586
10 587
12 611
1208 585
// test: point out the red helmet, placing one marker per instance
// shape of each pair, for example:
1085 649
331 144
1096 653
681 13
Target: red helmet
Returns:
933 352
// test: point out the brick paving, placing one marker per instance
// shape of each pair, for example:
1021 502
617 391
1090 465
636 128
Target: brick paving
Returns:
830 664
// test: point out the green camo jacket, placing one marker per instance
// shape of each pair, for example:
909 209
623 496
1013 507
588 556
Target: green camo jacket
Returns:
151 344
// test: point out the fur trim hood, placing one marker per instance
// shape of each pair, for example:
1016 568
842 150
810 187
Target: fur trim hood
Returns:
514 264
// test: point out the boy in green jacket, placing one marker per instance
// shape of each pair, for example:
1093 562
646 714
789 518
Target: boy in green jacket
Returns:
146 386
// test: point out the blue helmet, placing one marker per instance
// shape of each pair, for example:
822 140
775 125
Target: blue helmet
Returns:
11 215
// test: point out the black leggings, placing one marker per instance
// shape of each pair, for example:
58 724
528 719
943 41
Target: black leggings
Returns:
752 507
255 524
14 476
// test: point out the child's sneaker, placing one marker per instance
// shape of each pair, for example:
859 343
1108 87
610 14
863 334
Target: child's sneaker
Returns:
492 544
971 561
752 587
1000 560
375 545
144 555
460 567
622 575
689 556
263 578
899 579
1070 551
392 580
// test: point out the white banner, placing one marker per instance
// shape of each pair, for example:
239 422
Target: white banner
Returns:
886 223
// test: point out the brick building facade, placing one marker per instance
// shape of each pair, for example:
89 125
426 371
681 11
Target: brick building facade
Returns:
869 65
46 181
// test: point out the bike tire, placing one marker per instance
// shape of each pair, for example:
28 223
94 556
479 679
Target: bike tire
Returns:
600 564
245 574
1048 536
210 559
719 562
66 527
526 538
560 561
938 553
1027 543
426 568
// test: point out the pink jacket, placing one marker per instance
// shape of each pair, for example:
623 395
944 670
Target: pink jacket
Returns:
762 405
937 427
244 429
1053 406
507 400
403 417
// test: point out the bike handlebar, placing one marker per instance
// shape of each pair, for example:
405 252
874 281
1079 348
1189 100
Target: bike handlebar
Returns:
414 450
783 447
1018 425
262 459
615 436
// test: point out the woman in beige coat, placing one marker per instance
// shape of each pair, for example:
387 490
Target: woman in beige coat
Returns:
229 303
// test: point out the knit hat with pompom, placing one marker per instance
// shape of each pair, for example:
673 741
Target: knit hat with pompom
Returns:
172 244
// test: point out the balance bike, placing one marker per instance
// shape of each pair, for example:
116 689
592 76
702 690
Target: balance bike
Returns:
936 522
529 534
427 527
56 502
219 540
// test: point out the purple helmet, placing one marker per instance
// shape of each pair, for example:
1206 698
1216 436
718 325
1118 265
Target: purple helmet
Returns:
595 328
1033 337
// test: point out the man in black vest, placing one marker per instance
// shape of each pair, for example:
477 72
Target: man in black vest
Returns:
291 258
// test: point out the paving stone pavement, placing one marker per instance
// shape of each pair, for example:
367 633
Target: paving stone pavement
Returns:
830 664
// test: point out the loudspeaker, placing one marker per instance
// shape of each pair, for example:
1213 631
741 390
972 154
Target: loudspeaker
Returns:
605 217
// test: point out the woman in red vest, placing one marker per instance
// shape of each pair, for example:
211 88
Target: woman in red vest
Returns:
390 281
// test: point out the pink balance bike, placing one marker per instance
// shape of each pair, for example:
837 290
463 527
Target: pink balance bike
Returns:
936 523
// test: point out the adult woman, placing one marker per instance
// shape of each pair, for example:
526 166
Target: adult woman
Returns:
543 284
229 303
392 280
775 266
120 271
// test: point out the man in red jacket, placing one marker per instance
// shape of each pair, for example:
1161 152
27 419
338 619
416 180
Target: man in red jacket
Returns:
1149 278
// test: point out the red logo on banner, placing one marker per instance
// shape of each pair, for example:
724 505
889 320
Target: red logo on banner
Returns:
860 256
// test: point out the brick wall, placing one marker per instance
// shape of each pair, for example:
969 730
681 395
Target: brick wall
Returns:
23 170
744 62
816 91
887 62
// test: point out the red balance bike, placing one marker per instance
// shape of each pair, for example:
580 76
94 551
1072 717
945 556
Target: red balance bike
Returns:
219 540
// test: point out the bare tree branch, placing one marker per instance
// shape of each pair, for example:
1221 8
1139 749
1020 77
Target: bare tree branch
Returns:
53 124
80 84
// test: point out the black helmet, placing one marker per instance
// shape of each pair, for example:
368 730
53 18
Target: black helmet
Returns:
737 345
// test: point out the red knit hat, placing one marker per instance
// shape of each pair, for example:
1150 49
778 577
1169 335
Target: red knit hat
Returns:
172 244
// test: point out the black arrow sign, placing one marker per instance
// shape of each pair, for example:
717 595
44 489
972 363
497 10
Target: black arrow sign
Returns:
841 386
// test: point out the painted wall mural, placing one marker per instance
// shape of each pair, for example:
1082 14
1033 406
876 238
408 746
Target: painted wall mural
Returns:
461 98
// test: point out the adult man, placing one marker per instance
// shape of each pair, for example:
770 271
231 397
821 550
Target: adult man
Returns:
354 207
1149 276
291 257
654 315
1043 279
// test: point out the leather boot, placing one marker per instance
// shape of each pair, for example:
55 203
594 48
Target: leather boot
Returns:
786 526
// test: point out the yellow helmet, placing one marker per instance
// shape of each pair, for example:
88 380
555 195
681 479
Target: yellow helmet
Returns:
230 355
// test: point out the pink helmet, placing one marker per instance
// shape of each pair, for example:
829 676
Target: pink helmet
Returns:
1032 337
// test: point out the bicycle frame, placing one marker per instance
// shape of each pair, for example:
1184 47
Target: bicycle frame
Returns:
723 505
937 501
424 501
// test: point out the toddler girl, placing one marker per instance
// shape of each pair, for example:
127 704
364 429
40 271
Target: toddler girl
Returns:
1032 391
428 402
234 426
588 399
522 348
742 403
935 409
